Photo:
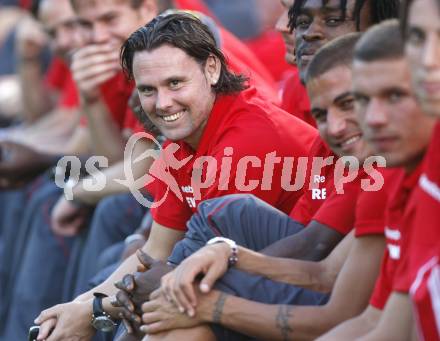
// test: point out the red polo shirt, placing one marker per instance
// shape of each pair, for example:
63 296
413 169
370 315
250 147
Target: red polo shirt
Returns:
308 204
338 211
371 206
247 128
399 212
242 60
425 295
295 100
59 78
424 239
270 50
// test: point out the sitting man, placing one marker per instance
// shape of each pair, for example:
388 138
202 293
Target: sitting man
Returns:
396 127
189 93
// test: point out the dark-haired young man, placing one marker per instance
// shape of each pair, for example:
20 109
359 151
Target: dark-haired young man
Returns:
189 93
395 127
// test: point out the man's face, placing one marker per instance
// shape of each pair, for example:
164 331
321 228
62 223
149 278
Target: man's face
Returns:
61 24
393 123
423 52
317 24
289 38
332 106
112 21
175 91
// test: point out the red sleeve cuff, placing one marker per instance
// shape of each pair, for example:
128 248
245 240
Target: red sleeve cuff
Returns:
174 224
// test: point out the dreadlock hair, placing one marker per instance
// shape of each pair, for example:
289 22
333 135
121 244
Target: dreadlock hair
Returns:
183 31
404 13
380 10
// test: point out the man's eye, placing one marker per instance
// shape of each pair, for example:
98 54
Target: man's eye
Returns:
334 21
174 83
361 100
302 23
395 97
347 104
415 36
146 91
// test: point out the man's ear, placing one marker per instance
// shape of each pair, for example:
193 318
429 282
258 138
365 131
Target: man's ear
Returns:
148 10
213 69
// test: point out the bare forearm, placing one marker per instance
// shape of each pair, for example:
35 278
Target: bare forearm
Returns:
105 135
117 172
35 98
314 243
264 321
305 274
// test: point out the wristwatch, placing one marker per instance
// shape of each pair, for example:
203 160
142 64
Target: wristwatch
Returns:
233 258
100 319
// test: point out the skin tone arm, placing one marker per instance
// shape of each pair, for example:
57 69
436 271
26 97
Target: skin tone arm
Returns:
116 172
68 217
355 327
212 262
105 135
30 40
396 321
91 67
308 322
318 276
313 243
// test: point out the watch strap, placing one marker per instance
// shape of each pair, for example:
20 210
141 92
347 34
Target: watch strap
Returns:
233 257
98 309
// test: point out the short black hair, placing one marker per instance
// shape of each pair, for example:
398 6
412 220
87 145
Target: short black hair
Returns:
381 42
404 13
380 10
186 32
338 52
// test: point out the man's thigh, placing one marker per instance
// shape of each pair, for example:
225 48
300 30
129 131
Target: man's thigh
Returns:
247 220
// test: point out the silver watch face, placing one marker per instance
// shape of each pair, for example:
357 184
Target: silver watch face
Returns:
103 323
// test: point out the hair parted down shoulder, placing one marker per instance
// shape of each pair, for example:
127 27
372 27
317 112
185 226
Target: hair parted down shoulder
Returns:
186 32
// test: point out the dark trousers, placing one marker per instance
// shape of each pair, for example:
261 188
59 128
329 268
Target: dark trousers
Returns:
254 224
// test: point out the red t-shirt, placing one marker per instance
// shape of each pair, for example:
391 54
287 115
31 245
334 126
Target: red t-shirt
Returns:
194 5
371 206
243 61
338 211
295 100
59 78
424 238
425 295
246 128
309 204
270 50
399 212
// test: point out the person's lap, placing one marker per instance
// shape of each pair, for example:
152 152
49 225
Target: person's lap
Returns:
254 224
